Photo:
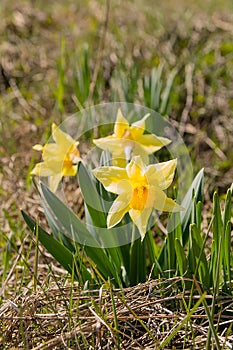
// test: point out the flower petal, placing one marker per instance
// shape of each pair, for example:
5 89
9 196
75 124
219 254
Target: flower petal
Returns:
119 208
152 143
64 140
138 127
47 168
136 169
139 150
162 202
121 125
110 177
140 219
54 182
161 174
110 143
38 147
52 150
69 170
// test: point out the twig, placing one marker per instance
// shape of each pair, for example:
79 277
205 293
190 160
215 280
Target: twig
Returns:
20 97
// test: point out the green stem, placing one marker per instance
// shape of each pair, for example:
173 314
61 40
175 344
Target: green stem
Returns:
137 259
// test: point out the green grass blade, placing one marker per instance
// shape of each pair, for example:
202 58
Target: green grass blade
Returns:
211 324
176 329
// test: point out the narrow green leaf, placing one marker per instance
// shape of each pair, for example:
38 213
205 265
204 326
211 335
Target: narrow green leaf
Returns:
65 221
216 248
69 224
171 253
181 258
199 207
196 256
176 329
91 196
137 261
164 108
58 233
228 257
152 254
56 249
227 214
187 203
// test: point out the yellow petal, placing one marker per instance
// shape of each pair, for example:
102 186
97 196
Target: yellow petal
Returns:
136 169
52 150
162 202
111 177
64 140
118 209
46 168
161 174
38 147
152 143
119 162
139 150
54 182
140 219
121 125
138 127
69 170
110 143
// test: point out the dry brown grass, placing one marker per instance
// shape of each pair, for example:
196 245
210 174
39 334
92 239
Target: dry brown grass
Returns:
64 316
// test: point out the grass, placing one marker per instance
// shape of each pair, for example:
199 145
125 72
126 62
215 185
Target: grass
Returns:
180 62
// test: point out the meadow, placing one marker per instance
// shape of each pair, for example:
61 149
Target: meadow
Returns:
60 58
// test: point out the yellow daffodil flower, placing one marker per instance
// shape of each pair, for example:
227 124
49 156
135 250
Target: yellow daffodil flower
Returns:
130 140
140 189
59 158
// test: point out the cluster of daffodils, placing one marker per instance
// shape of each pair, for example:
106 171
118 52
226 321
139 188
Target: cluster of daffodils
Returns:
139 186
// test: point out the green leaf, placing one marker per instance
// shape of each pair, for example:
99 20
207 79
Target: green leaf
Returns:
67 223
137 260
181 258
58 233
197 188
55 248
196 256
227 214
91 196
227 256
216 248
152 254
96 213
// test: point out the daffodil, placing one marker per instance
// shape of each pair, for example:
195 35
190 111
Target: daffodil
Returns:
140 189
130 140
59 158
